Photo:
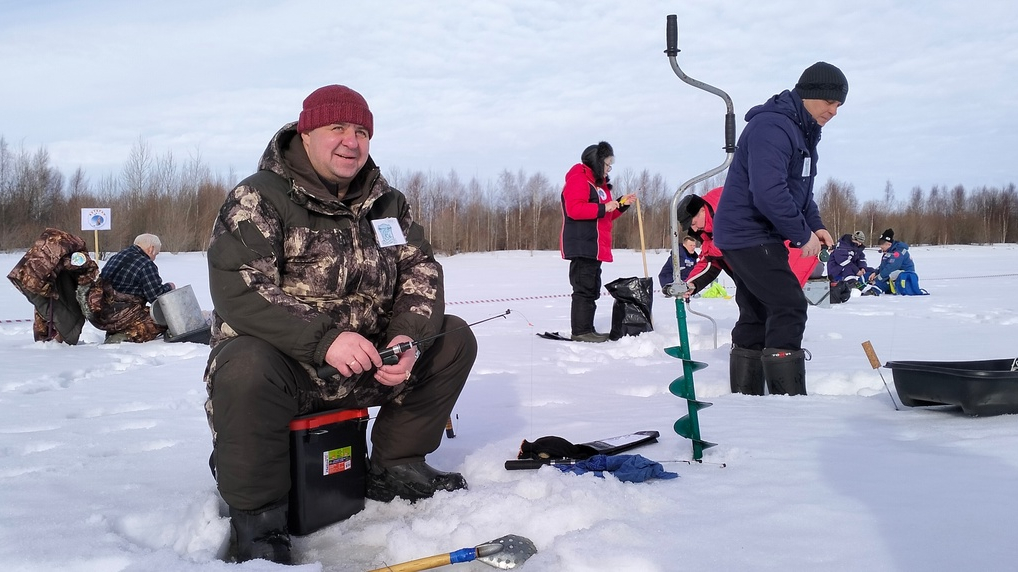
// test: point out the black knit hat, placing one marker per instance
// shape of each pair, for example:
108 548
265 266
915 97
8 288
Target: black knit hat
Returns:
822 81
687 209
886 236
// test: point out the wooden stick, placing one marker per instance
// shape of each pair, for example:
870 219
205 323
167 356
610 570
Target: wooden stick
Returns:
871 355
643 245
462 555
420 564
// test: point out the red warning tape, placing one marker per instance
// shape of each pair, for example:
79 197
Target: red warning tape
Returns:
493 300
487 301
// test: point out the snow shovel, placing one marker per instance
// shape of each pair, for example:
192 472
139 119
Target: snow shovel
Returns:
504 553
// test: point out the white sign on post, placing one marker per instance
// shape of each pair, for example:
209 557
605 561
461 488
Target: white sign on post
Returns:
95 219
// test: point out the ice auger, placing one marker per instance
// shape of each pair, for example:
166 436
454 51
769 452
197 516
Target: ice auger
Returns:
689 425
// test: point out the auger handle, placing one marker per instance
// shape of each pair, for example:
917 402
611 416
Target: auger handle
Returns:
730 132
672 36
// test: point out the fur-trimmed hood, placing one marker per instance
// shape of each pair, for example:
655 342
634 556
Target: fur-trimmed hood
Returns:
594 157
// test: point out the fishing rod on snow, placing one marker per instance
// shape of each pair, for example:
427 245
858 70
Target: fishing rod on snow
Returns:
390 355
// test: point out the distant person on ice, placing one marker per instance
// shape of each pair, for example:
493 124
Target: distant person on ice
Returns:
133 270
848 259
687 259
768 198
894 261
133 274
588 211
847 265
315 260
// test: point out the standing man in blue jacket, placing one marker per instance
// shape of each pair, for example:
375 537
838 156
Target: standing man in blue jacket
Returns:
768 198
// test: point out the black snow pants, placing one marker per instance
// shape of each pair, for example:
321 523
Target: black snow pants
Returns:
772 305
257 390
585 278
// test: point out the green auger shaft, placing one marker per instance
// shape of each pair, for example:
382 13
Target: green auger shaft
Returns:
689 425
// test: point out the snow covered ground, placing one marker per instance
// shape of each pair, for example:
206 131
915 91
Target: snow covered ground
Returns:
104 448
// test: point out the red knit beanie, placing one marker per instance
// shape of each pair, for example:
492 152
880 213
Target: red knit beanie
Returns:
334 104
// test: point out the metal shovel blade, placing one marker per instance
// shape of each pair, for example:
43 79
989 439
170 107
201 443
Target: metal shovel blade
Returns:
515 550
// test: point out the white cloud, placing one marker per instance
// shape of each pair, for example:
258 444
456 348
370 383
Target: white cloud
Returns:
479 87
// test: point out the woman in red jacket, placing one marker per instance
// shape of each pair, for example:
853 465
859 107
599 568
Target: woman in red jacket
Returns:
586 240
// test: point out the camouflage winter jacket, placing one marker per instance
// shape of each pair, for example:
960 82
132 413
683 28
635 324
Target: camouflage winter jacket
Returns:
64 285
291 264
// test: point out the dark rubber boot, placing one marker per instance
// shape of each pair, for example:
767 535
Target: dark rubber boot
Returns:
745 371
411 481
581 316
785 371
261 534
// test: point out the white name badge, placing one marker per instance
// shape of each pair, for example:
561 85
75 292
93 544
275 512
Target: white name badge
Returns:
388 232
806 163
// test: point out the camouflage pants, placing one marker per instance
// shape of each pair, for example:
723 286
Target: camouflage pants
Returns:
255 390
44 330
119 313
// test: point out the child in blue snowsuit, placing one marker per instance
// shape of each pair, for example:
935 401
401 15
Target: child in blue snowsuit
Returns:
687 259
848 261
895 260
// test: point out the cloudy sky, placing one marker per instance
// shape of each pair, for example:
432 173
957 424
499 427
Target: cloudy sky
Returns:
482 86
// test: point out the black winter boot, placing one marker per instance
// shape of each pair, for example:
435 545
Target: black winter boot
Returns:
581 318
745 371
411 481
260 534
785 371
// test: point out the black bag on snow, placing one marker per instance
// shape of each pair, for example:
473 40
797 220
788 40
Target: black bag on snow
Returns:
841 292
631 313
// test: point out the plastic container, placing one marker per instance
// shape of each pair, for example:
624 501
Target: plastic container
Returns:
328 468
818 292
985 387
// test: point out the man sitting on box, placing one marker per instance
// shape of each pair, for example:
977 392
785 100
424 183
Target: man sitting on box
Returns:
315 260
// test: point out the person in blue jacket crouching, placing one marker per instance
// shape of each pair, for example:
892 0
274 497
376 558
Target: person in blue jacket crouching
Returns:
894 261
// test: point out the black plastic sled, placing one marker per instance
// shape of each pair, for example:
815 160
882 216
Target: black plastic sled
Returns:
984 387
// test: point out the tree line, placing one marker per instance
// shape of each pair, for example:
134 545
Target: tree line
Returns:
178 201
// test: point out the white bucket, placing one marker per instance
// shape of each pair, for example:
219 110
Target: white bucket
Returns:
179 311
